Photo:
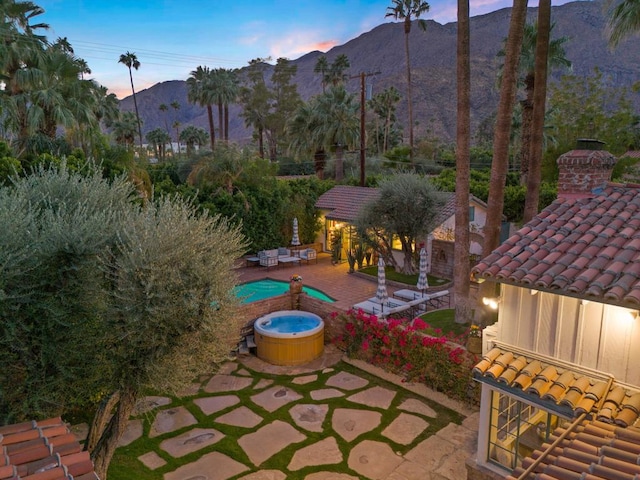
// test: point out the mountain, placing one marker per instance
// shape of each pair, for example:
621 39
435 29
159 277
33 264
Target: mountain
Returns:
433 69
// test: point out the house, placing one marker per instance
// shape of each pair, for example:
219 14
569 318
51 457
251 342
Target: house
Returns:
339 208
560 371
43 450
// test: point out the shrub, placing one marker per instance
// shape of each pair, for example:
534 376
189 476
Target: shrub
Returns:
403 347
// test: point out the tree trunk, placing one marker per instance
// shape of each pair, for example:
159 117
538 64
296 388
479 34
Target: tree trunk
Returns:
106 447
339 164
261 142
525 130
221 133
100 419
212 132
461 269
409 105
135 104
539 104
502 133
226 122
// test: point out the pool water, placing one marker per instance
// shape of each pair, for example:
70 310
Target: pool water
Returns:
290 324
267 288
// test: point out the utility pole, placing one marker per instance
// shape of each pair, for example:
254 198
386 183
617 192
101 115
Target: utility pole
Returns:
363 143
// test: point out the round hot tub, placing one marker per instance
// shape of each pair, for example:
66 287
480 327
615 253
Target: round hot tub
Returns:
289 337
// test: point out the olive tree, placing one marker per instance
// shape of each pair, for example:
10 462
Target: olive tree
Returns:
407 207
102 295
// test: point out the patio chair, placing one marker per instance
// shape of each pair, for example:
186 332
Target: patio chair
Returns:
309 254
268 258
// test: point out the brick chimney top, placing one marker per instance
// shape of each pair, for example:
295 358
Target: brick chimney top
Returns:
584 169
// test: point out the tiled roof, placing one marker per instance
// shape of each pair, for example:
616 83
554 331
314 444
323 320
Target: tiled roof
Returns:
631 153
44 450
593 451
558 388
587 248
345 201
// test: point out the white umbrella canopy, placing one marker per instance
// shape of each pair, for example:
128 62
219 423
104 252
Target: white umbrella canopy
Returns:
381 293
423 283
295 241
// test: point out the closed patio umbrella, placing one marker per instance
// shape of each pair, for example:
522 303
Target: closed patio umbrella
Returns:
381 292
423 283
295 241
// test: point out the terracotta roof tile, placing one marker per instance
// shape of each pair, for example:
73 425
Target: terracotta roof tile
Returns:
43 450
591 248
345 201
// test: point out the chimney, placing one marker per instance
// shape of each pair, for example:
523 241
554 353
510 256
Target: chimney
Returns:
584 169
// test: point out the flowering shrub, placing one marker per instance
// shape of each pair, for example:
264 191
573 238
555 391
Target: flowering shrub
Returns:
475 332
403 347
296 278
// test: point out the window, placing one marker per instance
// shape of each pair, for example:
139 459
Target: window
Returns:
472 213
516 430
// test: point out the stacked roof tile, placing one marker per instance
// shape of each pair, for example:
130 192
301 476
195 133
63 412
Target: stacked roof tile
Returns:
588 248
44 450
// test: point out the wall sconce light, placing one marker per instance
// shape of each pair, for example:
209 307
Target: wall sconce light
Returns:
492 303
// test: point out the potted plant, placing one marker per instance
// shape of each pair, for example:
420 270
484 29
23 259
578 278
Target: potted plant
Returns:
295 283
359 255
351 258
474 340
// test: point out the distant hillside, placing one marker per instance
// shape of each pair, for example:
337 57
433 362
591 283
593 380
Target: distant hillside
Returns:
433 68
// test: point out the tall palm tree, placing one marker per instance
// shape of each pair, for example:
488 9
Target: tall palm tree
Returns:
501 137
624 20
338 123
176 125
130 60
299 130
336 74
463 144
321 67
164 109
226 86
539 103
406 10
556 59
193 136
200 92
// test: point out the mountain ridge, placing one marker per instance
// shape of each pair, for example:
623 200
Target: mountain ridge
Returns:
433 69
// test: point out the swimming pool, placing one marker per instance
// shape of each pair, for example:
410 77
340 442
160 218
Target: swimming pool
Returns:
267 288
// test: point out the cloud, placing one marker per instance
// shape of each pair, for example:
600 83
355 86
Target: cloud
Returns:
297 43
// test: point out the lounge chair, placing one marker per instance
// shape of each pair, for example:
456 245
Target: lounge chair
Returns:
268 258
434 300
309 254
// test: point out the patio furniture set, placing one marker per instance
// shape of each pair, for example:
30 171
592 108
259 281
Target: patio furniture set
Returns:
407 301
282 256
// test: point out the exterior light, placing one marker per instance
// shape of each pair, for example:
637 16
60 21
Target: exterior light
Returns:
492 303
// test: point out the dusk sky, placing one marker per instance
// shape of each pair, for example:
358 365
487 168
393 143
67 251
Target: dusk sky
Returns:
172 37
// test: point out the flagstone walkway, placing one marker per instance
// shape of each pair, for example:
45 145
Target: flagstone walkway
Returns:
336 427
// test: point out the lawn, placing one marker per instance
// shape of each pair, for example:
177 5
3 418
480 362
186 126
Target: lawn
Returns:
442 322
410 280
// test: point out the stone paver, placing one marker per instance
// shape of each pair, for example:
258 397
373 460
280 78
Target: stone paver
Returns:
309 416
275 397
374 460
210 405
149 403
350 423
240 417
330 476
324 452
269 440
304 379
191 441
190 390
216 465
265 475
263 383
171 420
377 397
414 405
244 372
433 453
405 428
325 393
226 383
131 433
410 470
227 368
152 460
347 381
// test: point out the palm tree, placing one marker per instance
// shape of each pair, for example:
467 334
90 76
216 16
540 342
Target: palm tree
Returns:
130 60
255 100
338 123
226 88
158 138
501 137
322 66
384 105
176 124
624 20
124 129
539 103
557 59
336 74
192 136
299 130
200 92
405 10
463 143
